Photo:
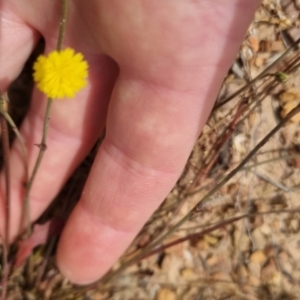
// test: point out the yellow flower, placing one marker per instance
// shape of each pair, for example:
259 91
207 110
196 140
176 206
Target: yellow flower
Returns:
61 74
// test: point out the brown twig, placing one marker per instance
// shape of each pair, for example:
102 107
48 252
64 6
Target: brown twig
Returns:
228 132
261 75
213 228
5 148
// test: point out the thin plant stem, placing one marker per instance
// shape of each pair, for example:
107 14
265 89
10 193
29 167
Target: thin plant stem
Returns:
14 127
285 157
49 248
261 75
215 227
247 168
62 26
5 148
43 146
10 121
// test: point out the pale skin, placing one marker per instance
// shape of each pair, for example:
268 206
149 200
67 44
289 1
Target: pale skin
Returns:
155 71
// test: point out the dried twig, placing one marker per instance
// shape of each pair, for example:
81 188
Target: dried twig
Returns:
5 149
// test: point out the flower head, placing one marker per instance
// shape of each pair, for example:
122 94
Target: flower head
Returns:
61 74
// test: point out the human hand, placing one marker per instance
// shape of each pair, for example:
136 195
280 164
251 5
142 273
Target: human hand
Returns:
155 70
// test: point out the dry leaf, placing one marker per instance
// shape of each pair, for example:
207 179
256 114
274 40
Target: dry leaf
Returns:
166 294
188 274
258 257
254 269
288 95
287 108
253 43
210 239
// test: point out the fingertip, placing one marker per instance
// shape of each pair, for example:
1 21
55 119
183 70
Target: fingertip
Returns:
87 249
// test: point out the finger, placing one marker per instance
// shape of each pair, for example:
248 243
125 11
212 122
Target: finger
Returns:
127 181
17 40
74 127
151 129
74 124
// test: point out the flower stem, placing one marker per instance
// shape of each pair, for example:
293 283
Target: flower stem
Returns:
62 27
5 147
43 145
43 148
